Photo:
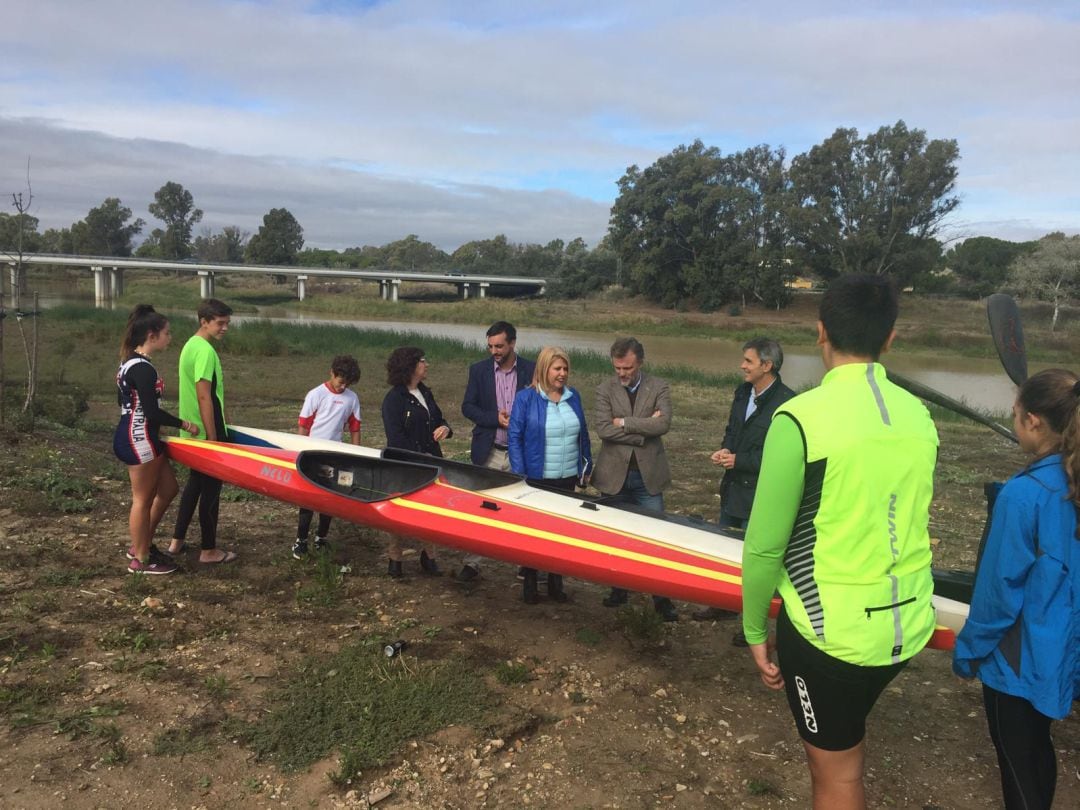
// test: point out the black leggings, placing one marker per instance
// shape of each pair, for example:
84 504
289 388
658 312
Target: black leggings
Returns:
204 491
1025 752
303 526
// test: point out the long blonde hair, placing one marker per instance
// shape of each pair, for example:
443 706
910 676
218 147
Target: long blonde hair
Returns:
544 361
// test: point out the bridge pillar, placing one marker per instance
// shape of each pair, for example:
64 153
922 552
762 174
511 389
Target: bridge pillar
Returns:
395 286
301 288
384 289
463 288
483 288
116 282
101 287
206 284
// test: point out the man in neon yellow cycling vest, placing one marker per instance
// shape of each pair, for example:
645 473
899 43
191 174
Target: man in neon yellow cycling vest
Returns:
847 473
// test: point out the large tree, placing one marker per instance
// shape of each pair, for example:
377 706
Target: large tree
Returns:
1051 272
173 205
19 233
278 240
106 230
871 204
981 264
702 225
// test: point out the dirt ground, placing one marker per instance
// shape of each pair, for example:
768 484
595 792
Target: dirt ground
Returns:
605 719
124 692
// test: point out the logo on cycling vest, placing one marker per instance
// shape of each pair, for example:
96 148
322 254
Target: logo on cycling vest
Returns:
807 706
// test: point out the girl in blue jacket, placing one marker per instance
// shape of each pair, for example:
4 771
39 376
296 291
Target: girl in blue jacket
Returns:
549 441
1022 636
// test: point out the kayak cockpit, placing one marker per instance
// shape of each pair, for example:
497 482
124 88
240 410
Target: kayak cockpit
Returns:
364 479
457 473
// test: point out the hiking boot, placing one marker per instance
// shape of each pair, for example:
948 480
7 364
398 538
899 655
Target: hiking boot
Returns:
467 573
152 567
321 543
713 614
739 640
299 549
617 597
429 566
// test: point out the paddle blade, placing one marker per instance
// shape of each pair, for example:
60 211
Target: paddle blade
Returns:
1008 335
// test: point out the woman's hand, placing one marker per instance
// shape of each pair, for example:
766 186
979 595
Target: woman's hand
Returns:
190 427
441 432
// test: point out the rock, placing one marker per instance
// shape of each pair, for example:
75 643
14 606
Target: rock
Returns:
152 603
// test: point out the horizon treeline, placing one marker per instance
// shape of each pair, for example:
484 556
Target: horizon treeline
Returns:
696 228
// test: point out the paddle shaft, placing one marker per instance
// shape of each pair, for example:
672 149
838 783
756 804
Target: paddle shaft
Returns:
930 395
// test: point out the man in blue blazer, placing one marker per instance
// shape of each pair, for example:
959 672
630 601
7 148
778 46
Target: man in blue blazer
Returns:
489 398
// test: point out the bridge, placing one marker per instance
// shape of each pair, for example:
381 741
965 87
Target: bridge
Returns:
109 275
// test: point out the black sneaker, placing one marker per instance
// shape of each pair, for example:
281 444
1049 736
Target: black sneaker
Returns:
321 543
299 549
467 573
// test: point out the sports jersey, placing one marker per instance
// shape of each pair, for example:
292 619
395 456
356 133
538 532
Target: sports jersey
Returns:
138 393
199 361
325 412
840 519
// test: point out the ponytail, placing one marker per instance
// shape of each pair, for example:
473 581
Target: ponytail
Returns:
1070 452
1054 395
142 322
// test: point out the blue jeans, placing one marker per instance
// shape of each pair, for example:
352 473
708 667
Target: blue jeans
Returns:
634 491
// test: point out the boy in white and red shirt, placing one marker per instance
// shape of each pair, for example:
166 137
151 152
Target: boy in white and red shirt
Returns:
328 409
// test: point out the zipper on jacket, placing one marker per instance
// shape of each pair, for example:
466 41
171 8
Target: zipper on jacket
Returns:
872 610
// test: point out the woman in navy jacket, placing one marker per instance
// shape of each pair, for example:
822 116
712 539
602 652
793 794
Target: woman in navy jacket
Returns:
1022 636
413 421
549 441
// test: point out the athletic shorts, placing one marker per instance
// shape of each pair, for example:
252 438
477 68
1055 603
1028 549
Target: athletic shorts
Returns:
134 444
830 699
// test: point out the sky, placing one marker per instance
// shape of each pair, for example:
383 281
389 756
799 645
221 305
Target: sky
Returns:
456 121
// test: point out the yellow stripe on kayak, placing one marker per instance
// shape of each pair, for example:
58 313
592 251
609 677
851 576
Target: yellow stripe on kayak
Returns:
218 447
562 539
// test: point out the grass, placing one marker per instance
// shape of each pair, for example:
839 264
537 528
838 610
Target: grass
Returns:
509 673
364 705
326 588
641 622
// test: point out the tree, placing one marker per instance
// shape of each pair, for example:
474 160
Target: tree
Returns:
981 264
173 205
278 240
1049 273
412 254
225 247
57 240
867 205
106 230
486 257
19 232
698 224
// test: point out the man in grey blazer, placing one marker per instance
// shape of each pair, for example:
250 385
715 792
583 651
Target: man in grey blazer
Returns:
633 412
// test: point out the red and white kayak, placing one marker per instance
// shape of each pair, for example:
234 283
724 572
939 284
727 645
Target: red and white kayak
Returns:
495 514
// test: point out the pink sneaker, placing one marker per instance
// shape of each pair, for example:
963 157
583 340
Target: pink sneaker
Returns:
152 567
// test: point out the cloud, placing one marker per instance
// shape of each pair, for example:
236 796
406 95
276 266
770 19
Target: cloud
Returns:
72 171
417 107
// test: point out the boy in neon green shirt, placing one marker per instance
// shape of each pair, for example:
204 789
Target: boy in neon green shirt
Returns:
202 401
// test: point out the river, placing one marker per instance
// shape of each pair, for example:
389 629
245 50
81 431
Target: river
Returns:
980 383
